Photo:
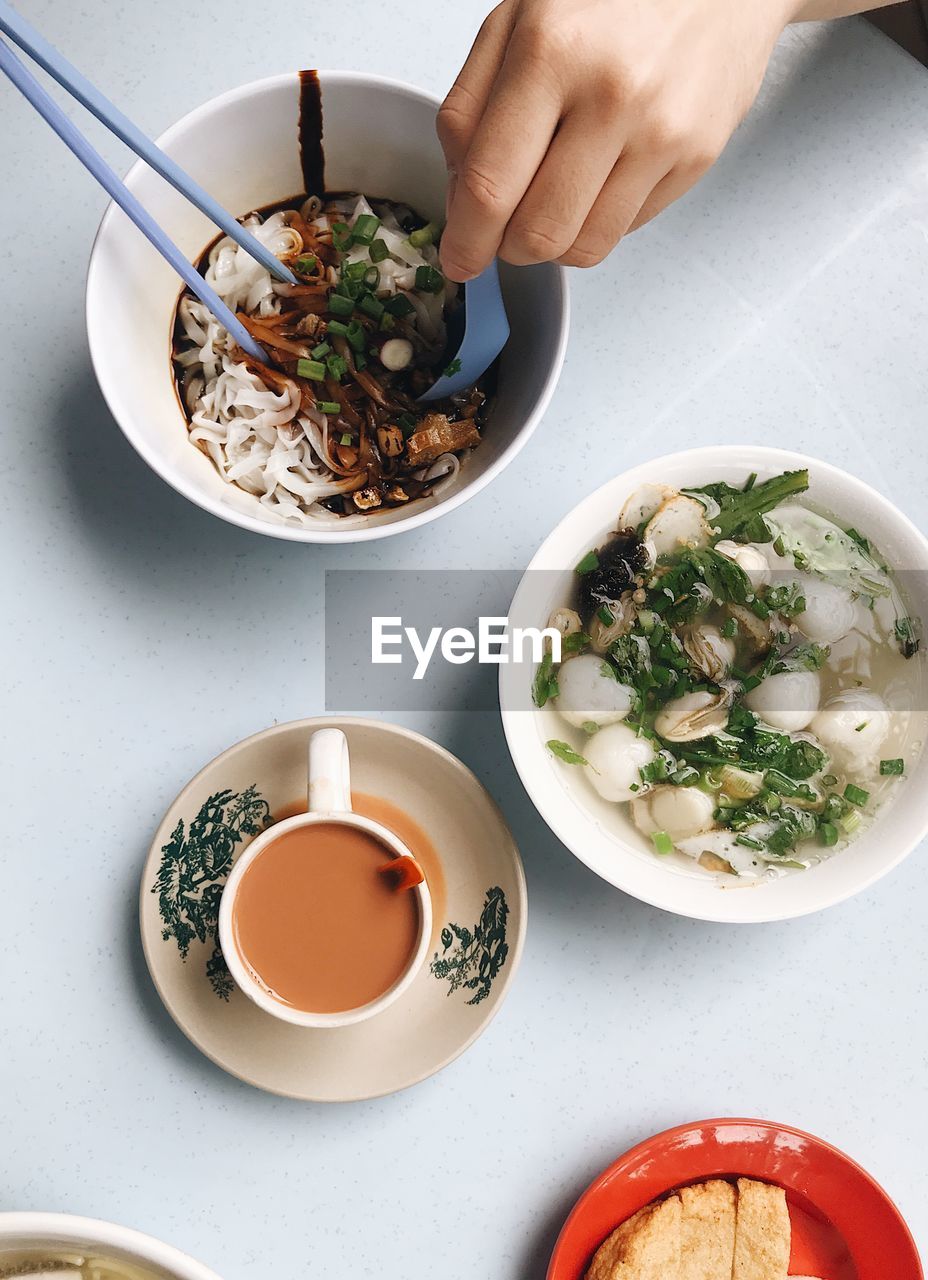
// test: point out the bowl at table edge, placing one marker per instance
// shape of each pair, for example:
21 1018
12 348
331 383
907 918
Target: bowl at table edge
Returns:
65 1231
597 832
379 137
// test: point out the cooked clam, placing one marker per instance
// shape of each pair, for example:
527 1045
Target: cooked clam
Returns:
696 715
709 651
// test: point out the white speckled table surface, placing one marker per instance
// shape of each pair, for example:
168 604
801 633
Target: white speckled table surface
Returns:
783 302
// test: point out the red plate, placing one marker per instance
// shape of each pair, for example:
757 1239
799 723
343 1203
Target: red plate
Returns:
845 1227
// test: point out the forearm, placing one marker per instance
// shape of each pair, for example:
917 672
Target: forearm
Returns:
808 10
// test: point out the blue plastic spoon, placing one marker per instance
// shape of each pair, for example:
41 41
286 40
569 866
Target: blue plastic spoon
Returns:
486 332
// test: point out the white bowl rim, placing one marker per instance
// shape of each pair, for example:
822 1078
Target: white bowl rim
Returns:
102 1235
570 830
297 533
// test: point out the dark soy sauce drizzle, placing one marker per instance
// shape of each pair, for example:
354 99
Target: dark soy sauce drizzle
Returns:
312 157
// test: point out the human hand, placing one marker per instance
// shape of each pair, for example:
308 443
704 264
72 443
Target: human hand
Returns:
574 122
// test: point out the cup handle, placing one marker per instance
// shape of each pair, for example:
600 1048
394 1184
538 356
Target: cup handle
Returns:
329 787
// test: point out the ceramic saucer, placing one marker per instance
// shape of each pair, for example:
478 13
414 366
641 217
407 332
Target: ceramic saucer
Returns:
475 876
844 1225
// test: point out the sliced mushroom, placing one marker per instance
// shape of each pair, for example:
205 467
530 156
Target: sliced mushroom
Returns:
680 522
695 715
709 651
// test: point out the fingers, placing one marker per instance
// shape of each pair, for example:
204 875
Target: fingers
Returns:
669 189
505 150
629 186
555 207
462 109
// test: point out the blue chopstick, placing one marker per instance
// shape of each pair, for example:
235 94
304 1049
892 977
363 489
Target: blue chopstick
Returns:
71 136
68 76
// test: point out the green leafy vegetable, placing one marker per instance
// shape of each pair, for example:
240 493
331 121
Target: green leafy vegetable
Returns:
545 685
741 510
564 751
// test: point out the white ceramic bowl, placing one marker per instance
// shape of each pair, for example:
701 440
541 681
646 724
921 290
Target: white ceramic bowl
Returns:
597 832
379 137
64 1231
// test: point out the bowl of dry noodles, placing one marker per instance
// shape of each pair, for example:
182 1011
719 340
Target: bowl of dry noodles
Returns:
341 176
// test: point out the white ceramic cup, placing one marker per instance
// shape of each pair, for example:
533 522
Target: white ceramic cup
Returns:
379 137
64 1232
329 801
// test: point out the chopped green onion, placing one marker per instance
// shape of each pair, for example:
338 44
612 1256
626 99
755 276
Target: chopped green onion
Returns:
371 306
748 842
399 305
354 332
345 438
379 251
828 834
406 423
366 226
647 620
354 270
347 288
453 367
360 360
338 327
662 843
425 235
605 615
328 406
590 727
337 367
341 236
758 608
856 795
729 628
429 280
589 562
372 278
313 369
307 263
892 768
685 776
323 349
850 822
387 322
339 305
829 780
655 771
